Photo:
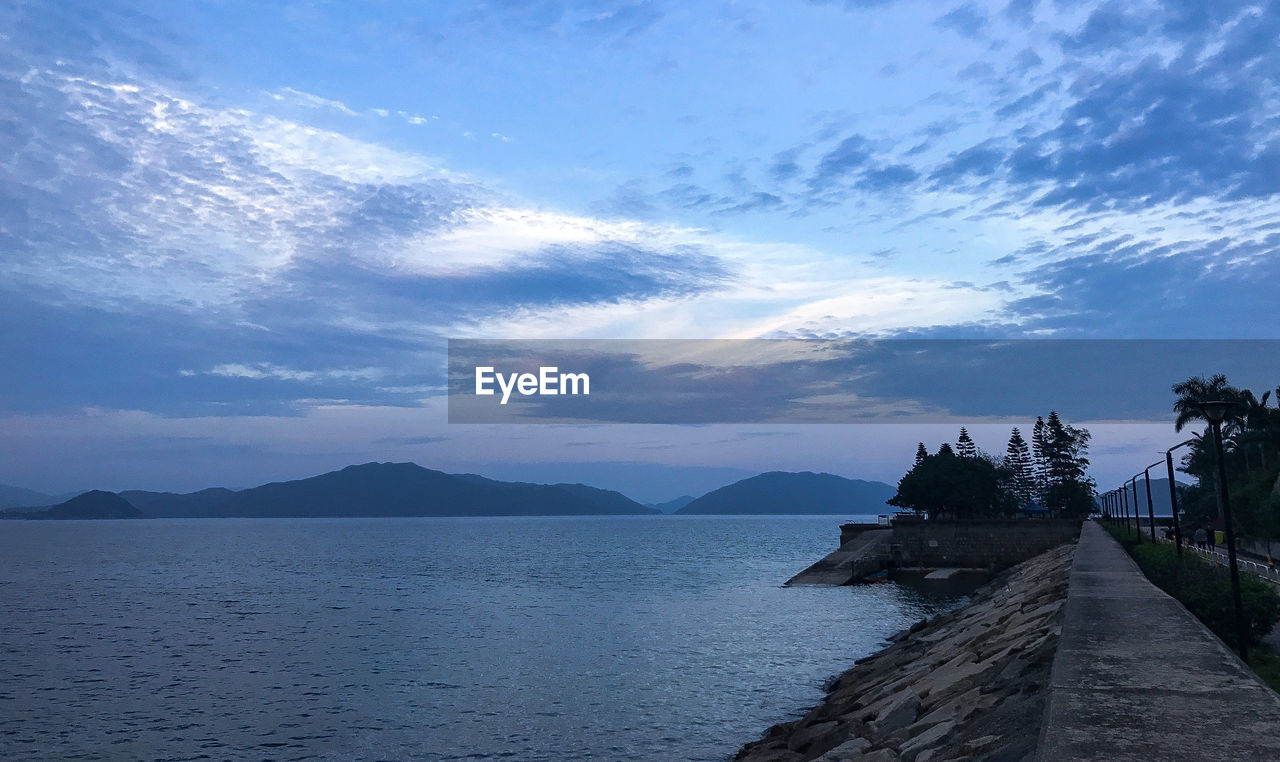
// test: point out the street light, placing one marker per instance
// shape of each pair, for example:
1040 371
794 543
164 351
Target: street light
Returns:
1124 498
1151 511
1215 412
1173 492
1137 514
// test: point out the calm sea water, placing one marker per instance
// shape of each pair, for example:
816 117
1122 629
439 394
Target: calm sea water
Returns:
523 638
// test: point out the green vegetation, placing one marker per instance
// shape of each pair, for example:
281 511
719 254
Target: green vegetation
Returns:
1251 441
966 483
1205 588
1266 663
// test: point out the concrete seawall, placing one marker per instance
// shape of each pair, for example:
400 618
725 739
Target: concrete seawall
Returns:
914 543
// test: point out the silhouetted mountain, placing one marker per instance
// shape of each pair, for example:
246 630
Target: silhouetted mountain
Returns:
389 489
673 505
1159 497
204 503
17 497
95 504
786 492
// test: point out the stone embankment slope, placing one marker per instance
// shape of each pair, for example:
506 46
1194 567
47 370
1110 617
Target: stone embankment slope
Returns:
970 684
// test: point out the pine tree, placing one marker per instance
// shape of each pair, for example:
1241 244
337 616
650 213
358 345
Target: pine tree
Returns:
1018 461
965 447
921 453
1039 462
1068 490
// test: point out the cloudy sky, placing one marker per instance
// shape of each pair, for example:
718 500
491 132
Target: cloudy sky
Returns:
235 236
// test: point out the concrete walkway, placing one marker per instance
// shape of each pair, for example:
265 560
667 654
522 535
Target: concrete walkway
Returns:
1137 677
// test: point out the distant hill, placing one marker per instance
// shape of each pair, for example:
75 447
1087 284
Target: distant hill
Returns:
388 489
1159 497
674 504
95 504
17 497
786 492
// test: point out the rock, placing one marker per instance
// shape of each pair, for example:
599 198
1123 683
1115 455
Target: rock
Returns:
979 743
931 737
966 684
816 739
900 712
850 749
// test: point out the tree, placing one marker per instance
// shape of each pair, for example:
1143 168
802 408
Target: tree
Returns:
1068 491
965 447
921 453
946 485
1198 389
1039 467
1017 461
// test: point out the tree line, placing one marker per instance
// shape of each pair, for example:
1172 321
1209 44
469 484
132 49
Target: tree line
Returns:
1046 476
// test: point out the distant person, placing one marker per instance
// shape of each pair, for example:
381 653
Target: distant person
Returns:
1202 538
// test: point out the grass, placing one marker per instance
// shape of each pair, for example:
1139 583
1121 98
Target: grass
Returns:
1266 663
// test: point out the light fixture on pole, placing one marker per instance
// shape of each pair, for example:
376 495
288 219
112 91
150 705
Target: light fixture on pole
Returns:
1173 492
1215 412
1151 511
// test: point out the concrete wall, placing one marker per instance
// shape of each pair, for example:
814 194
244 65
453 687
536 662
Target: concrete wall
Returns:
850 531
977 544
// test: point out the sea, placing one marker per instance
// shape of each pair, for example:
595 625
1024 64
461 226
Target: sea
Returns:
601 638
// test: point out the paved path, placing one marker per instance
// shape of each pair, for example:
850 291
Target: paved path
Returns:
1136 677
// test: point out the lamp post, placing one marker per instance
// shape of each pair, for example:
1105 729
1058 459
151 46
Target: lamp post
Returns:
1173 492
1215 412
1151 511
1137 514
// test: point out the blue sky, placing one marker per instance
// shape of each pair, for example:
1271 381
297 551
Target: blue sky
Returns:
236 236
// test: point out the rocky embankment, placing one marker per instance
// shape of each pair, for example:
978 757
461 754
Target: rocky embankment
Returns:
969 684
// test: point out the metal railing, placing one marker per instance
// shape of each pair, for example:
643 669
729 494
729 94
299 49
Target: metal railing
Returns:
1269 573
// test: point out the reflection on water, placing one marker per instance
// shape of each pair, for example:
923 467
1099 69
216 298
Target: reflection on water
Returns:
534 638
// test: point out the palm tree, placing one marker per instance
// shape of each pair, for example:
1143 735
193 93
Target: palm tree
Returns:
1197 389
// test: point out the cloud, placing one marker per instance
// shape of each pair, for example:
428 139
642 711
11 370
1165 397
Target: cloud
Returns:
968 20
852 152
294 97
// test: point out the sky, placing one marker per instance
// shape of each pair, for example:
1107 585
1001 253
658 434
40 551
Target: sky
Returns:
235 237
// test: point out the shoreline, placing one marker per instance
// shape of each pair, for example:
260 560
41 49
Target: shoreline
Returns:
969 684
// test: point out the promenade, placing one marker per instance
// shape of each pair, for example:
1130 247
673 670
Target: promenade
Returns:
1137 677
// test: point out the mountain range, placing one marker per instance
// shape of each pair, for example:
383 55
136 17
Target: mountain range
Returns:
388 489
407 489
1159 497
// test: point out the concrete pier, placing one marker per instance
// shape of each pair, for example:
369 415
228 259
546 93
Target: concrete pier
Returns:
864 553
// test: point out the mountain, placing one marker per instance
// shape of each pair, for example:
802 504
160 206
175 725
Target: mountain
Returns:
1159 497
17 497
786 492
389 489
95 504
672 505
